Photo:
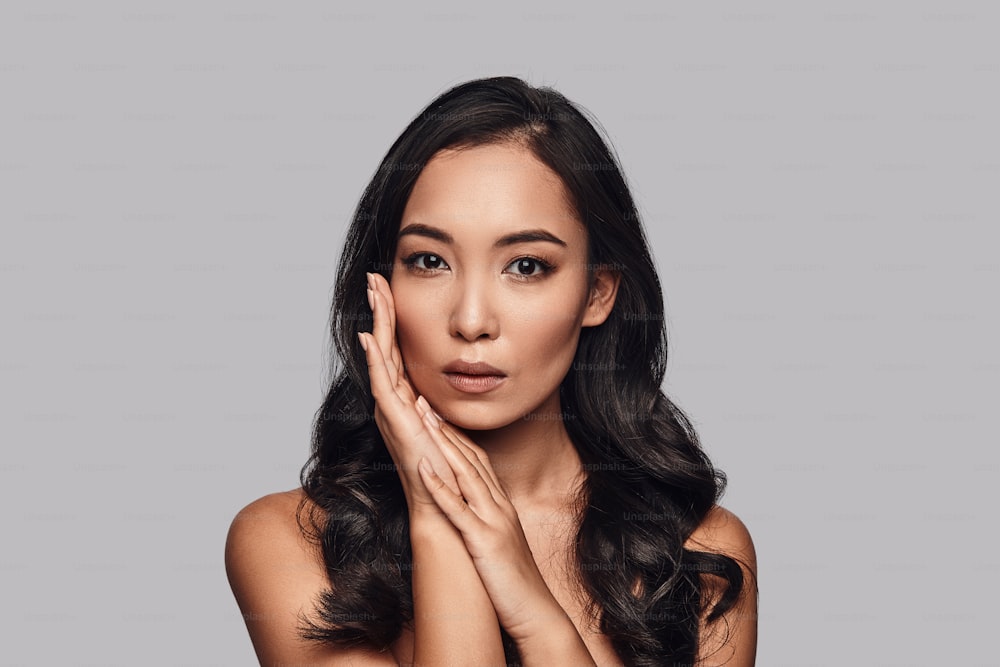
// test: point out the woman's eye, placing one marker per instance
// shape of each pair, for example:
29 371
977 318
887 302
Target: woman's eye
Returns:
425 261
431 261
528 267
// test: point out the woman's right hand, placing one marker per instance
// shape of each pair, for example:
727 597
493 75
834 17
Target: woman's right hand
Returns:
398 411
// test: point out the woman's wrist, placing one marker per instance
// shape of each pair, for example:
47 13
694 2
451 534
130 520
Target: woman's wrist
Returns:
554 640
431 524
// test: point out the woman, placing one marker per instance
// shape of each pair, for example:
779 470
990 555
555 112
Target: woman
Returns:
496 476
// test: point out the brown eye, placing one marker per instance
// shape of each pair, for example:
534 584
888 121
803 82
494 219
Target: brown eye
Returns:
425 261
528 267
431 262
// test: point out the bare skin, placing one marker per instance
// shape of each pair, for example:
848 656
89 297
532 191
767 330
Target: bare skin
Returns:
275 574
478 278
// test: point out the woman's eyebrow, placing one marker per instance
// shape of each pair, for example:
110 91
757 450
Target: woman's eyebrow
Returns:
420 229
526 236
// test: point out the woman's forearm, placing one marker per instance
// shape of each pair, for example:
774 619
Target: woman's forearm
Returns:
454 621
453 617
555 642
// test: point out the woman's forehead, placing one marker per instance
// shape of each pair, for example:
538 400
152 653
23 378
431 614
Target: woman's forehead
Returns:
492 190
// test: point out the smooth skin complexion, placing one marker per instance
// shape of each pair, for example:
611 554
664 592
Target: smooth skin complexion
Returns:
479 326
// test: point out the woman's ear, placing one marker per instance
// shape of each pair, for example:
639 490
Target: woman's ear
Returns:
603 290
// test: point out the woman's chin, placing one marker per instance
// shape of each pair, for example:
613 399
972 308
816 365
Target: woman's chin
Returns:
476 417
476 423
492 415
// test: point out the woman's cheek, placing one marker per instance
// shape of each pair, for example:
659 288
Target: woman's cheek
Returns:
549 325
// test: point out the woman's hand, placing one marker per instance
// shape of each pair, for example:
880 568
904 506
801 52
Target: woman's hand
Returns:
492 533
398 413
488 522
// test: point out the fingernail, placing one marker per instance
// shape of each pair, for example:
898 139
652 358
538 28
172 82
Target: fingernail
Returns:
371 298
430 420
422 402
364 343
371 280
425 465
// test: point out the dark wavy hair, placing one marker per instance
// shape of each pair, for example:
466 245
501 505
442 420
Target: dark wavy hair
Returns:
648 482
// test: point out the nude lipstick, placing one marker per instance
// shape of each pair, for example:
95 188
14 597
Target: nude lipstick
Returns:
473 377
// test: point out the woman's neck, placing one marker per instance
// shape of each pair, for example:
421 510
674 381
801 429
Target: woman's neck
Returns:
535 460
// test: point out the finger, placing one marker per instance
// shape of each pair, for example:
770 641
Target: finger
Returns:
432 420
454 507
471 480
394 412
397 360
383 387
438 458
423 407
473 453
482 466
381 285
386 310
394 402
383 326
471 450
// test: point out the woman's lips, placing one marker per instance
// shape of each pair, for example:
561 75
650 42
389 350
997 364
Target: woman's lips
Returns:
474 384
473 377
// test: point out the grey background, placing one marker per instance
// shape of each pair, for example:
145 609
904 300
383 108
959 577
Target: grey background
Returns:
817 183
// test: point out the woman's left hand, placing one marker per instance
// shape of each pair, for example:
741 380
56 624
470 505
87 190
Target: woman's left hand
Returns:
492 532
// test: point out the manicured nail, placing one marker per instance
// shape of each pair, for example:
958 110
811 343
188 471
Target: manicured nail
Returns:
371 298
371 280
364 343
430 420
425 465
422 402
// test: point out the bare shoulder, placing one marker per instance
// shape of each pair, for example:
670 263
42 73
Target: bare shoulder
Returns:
266 539
721 531
274 512
732 639
274 506
276 572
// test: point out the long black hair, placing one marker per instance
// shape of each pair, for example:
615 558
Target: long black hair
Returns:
648 482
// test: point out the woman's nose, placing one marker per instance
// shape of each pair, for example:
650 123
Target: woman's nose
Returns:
473 315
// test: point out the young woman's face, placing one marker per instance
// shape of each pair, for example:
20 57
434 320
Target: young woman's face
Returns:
491 270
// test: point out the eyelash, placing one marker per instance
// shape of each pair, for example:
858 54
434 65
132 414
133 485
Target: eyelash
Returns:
410 263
